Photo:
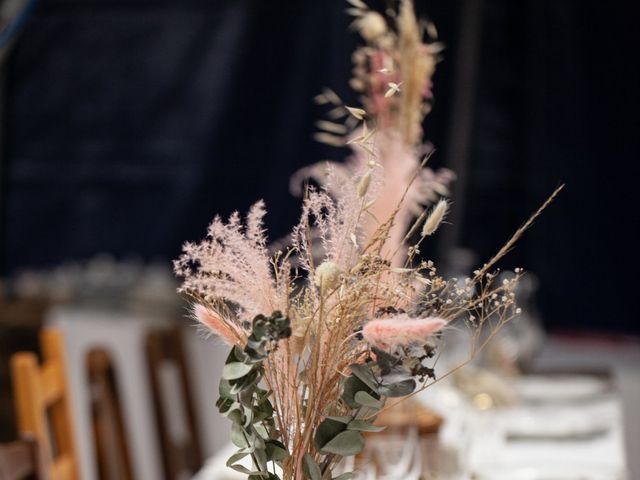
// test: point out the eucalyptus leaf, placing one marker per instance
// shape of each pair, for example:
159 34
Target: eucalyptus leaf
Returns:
257 441
236 355
240 468
399 389
260 415
260 457
239 436
276 450
363 398
311 468
344 420
235 415
349 442
234 370
243 383
265 407
364 426
262 431
327 431
247 419
235 457
364 373
224 389
352 385
224 404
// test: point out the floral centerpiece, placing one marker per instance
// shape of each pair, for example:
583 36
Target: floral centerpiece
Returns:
324 331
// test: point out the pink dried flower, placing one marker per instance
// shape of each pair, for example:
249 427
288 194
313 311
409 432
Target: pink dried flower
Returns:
215 323
400 163
233 263
335 221
401 330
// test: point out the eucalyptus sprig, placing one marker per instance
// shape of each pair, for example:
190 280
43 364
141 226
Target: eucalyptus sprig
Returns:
383 375
247 405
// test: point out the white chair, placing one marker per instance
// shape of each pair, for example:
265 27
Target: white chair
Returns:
123 337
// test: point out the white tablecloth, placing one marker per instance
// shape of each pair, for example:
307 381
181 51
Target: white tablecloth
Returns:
482 445
601 456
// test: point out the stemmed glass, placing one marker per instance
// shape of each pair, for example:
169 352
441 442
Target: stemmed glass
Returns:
392 457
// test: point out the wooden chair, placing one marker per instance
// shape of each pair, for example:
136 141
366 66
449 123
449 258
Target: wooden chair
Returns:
173 401
19 460
112 453
43 405
20 325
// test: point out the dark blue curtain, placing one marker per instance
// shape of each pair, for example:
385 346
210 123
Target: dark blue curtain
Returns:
129 124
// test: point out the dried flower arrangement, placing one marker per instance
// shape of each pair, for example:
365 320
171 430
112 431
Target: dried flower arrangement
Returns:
319 346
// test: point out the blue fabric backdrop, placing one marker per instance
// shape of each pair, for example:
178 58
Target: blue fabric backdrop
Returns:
129 124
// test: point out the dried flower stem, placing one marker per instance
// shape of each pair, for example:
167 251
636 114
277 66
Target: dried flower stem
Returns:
516 236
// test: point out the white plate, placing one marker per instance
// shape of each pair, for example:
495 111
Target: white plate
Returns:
552 425
560 388
548 472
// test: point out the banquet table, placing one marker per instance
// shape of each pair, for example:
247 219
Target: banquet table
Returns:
567 438
571 440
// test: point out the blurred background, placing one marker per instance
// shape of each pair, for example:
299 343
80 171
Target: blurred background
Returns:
125 126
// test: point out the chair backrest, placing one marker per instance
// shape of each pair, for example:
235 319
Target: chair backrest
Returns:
43 405
123 337
111 445
173 401
19 460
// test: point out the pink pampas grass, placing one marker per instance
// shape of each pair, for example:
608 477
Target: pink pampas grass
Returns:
215 323
401 330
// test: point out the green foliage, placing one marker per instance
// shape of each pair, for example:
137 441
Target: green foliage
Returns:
365 390
247 405
342 435
405 364
311 468
345 443
327 431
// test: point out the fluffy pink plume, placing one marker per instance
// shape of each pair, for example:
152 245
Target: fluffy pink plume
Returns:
234 264
214 322
399 165
401 330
